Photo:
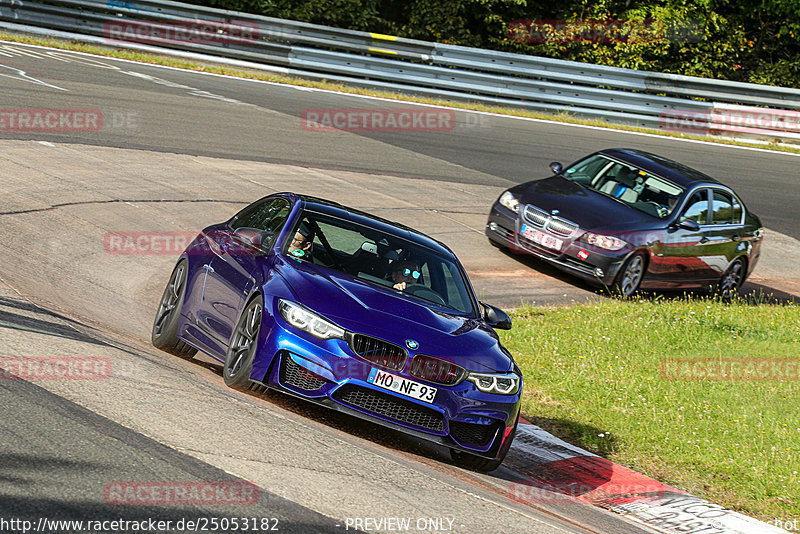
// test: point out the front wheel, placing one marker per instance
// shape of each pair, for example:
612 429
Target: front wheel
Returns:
730 283
473 462
630 276
165 326
242 348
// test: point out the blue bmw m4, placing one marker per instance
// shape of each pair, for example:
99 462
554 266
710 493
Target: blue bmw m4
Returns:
350 311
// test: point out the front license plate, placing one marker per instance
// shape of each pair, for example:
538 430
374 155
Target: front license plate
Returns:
541 238
401 385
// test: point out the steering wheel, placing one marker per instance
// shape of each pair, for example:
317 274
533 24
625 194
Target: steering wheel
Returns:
424 292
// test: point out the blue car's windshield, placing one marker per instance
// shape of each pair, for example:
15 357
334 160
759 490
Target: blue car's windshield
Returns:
380 258
635 187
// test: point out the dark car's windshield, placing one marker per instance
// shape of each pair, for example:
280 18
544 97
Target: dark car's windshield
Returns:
635 187
383 259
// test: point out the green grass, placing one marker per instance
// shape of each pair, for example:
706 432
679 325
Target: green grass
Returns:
170 61
592 376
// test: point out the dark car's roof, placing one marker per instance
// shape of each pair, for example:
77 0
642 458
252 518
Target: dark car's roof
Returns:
677 173
335 209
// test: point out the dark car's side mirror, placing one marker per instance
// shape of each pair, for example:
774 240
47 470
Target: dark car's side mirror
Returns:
688 224
253 239
495 317
556 167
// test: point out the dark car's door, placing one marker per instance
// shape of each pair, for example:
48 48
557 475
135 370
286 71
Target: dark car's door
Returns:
230 275
682 258
725 232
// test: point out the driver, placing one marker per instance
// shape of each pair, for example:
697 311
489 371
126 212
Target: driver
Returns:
404 273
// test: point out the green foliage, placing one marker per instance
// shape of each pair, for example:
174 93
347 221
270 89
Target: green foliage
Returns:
744 40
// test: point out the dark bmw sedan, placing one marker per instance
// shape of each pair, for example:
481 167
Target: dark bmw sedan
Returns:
627 219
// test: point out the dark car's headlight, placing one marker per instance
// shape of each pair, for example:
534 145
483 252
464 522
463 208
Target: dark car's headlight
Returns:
510 201
308 321
604 241
501 383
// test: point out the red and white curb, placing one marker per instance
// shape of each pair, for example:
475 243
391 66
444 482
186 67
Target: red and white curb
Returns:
554 469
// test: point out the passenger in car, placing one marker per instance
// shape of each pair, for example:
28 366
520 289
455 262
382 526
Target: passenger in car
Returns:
301 243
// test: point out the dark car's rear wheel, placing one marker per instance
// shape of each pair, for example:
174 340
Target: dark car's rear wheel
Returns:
165 326
731 282
243 346
474 462
630 276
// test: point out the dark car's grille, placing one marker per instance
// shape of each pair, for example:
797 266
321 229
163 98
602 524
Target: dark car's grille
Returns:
541 219
378 351
294 375
390 407
472 433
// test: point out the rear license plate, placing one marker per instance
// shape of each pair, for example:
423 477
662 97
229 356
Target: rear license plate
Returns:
541 238
401 385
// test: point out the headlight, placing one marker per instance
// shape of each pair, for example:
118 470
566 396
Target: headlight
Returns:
308 321
604 241
508 200
502 383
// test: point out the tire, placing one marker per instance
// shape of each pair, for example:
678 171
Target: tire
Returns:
731 281
164 335
630 276
474 462
243 346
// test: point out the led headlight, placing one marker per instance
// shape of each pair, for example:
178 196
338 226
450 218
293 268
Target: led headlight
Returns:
308 321
508 200
604 241
501 383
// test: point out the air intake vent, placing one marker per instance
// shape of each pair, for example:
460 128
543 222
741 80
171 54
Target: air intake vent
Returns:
295 375
390 407
472 433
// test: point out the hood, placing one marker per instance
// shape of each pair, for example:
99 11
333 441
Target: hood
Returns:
586 208
363 307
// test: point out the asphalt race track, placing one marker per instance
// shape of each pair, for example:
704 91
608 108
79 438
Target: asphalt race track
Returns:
179 150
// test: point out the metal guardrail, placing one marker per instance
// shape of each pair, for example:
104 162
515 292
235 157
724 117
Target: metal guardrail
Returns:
657 100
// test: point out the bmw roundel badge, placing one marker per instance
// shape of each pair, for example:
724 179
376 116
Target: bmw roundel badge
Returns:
411 344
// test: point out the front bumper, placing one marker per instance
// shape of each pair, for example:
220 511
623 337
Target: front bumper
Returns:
330 374
595 265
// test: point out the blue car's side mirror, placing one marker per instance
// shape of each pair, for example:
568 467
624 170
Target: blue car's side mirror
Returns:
556 167
495 317
253 239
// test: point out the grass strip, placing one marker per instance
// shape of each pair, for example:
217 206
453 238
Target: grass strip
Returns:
649 384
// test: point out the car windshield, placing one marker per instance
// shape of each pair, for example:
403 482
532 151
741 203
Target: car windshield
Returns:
635 187
386 260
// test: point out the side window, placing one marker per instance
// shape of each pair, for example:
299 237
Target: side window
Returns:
722 209
697 207
267 215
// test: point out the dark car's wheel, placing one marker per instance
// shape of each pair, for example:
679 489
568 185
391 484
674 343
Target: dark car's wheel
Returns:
165 326
732 280
243 346
474 462
630 276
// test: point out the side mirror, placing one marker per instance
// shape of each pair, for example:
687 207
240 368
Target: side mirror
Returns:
253 239
689 224
495 317
556 167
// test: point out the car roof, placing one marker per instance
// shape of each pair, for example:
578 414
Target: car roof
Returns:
329 207
677 173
